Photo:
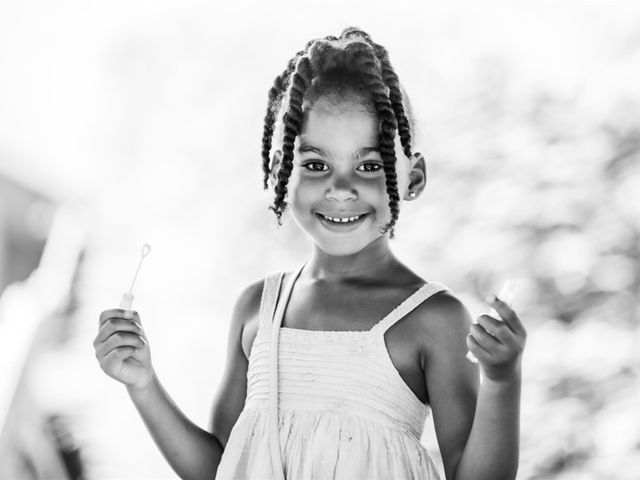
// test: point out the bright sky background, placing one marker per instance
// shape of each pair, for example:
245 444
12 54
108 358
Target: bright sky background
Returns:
60 61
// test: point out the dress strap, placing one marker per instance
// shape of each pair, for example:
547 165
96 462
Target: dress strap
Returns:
408 305
270 292
274 416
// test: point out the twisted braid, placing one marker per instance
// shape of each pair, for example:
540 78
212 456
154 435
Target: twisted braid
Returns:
269 123
369 66
300 82
391 80
275 95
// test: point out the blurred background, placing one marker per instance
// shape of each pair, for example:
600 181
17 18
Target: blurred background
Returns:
124 123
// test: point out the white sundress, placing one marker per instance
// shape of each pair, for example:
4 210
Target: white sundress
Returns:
344 411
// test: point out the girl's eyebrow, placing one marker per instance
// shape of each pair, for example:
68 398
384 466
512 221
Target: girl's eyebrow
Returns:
309 148
304 147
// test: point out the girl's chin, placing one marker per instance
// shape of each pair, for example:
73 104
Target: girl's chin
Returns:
344 247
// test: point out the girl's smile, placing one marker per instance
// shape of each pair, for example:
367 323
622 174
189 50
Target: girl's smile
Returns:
340 223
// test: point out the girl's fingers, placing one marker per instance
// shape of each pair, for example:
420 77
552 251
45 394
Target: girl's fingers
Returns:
508 316
117 313
119 353
483 338
495 328
114 325
117 340
480 353
138 354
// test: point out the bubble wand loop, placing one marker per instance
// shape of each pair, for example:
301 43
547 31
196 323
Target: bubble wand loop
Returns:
127 298
507 294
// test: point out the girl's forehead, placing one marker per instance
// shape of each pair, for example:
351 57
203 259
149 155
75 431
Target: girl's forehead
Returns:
339 102
348 128
353 119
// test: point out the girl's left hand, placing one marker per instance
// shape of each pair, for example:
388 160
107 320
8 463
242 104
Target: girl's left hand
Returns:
498 345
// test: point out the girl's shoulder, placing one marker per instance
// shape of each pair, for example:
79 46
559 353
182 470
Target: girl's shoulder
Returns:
247 304
248 301
440 309
443 308
442 322
250 297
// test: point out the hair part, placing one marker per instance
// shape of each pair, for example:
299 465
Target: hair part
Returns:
334 69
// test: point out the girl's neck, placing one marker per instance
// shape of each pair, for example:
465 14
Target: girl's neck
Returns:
368 263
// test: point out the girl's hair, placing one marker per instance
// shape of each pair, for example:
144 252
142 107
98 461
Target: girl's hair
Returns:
349 65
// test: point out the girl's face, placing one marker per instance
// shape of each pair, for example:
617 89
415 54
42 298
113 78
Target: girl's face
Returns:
337 191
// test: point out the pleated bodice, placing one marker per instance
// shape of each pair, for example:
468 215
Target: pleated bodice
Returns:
344 410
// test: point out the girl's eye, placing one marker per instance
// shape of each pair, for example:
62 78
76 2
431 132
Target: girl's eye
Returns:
370 167
314 166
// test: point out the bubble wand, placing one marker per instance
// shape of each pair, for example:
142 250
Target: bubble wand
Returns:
127 298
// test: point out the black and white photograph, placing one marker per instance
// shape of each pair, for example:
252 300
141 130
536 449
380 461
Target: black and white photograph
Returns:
320 240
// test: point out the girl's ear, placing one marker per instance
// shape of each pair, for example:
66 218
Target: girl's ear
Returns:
275 167
417 177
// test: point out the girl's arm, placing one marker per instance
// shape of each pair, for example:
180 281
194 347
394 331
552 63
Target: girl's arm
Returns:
193 452
494 443
477 426
492 450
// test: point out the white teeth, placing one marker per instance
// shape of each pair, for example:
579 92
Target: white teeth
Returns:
342 220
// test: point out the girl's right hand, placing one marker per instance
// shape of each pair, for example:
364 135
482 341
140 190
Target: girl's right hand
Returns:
122 349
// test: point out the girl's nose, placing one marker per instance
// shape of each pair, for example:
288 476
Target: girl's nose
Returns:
341 191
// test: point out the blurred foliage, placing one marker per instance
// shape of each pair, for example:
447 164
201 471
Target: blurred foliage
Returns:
547 189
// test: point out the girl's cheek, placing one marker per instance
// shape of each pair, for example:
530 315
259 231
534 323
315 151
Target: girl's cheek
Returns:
296 181
304 192
312 185
375 185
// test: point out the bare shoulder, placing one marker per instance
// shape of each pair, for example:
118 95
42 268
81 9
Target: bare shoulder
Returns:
441 322
248 308
247 304
444 305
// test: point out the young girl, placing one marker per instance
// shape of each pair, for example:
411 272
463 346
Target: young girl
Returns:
333 368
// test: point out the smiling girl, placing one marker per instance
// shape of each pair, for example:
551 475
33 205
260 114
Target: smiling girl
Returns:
333 368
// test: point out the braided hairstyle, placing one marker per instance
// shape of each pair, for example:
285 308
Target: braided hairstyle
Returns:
362 66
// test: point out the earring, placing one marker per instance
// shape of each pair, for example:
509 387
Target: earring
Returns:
412 194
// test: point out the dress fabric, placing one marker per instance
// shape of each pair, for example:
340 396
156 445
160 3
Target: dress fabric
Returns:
344 411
